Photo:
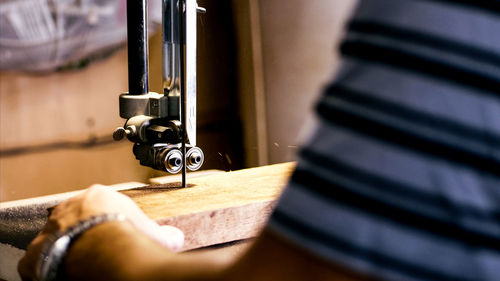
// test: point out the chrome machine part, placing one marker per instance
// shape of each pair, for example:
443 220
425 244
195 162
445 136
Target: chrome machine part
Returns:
135 129
121 132
163 126
190 70
187 26
183 99
150 104
148 130
194 158
172 160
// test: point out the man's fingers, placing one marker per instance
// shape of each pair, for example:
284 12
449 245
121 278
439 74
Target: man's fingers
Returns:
173 237
24 267
27 264
169 236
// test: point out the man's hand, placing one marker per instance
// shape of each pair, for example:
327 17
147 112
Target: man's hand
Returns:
95 201
116 251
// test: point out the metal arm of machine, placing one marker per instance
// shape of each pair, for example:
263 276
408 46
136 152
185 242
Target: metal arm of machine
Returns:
163 126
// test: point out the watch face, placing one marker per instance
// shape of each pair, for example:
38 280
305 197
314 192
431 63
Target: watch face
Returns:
56 245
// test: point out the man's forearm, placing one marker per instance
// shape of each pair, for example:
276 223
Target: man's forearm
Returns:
117 251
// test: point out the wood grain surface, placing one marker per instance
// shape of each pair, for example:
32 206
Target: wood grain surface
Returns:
214 209
218 208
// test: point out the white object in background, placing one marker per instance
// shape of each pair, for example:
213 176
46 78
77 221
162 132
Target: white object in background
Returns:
45 35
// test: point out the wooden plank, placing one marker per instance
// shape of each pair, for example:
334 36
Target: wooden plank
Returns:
218 208
189 176
214 209
21 220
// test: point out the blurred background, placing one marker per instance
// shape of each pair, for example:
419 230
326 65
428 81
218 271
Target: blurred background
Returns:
261 65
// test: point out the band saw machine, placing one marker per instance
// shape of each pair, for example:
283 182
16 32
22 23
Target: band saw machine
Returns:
162 126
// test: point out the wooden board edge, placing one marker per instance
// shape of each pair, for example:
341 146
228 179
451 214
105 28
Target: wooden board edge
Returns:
222 225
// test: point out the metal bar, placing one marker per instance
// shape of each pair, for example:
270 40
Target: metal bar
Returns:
137 37
190 33
182 37
170 42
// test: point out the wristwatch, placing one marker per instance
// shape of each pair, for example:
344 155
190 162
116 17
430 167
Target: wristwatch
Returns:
57 245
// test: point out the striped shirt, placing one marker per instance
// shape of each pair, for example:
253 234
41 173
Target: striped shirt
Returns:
401 179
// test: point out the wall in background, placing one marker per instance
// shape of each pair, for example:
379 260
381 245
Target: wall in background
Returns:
59 108
299 41
286 53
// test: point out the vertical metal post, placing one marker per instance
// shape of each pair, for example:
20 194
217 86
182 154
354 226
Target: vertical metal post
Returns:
171 47
190 66
137 38
182 43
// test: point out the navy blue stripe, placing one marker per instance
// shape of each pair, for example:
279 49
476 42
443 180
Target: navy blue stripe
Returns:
405 191
488 6
399 111
425 39
344 195
422 65
407 140
350 249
